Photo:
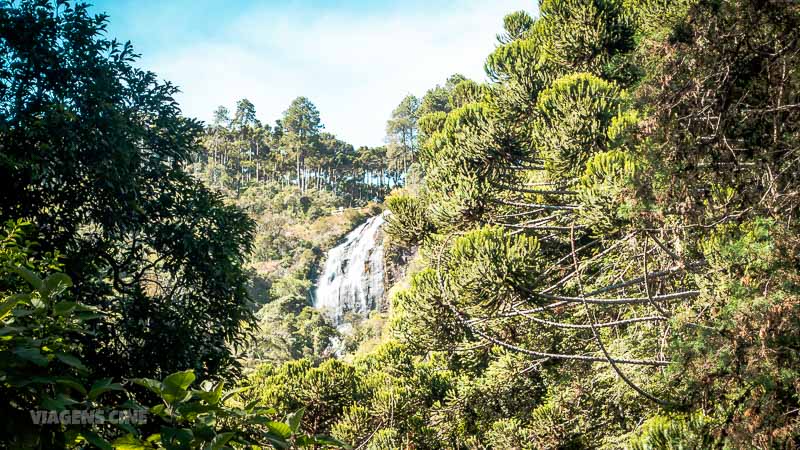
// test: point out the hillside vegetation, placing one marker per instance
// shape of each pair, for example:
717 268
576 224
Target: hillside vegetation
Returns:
607 243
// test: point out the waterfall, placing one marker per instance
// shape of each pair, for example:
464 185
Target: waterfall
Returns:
352 280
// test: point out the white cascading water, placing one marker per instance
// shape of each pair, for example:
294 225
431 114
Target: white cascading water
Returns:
352 280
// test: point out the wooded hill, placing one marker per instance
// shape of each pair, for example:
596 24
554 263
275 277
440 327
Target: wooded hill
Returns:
239 151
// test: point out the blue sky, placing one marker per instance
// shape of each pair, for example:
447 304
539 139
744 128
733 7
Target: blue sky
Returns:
355 59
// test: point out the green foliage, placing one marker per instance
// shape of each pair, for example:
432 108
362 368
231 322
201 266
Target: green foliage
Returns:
41 369
608 191
576 112
402 133
380 399
494 406
40 351
568 36
289 329
466 92
519 60
293 229
438 98
674 433
261 199
516 25
209 418
242 154
431 123
584 36
606 241
458 176
95 155
488 266
323 391
399 389
301 126
746 249
408 222
636 155
509 433
385 439
419 316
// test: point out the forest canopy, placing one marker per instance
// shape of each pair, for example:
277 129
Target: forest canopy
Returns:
594 247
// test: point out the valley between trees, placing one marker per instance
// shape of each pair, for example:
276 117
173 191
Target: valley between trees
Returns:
597 248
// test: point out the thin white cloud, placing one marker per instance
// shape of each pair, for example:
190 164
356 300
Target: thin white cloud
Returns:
354 68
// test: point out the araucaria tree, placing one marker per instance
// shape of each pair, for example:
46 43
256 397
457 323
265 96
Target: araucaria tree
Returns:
301 126
241 152
618 211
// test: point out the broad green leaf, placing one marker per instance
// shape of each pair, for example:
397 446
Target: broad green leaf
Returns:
131 404
233 392
154 386
294 419
96 440
31 354
204 432
180 380
211 396
250 406
64 308
221 439
55 284
128 442
327 440
126 427
34 380
22 312
72 383
303 441
208 420
10 302
87 308
38 303
258 420
279 429
29 276
276 441
72 360
59 403
85 317
190 410
173 395
172 436
265 411
102 386
10 330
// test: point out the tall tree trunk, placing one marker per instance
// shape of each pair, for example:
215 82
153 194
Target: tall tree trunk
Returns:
299 179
